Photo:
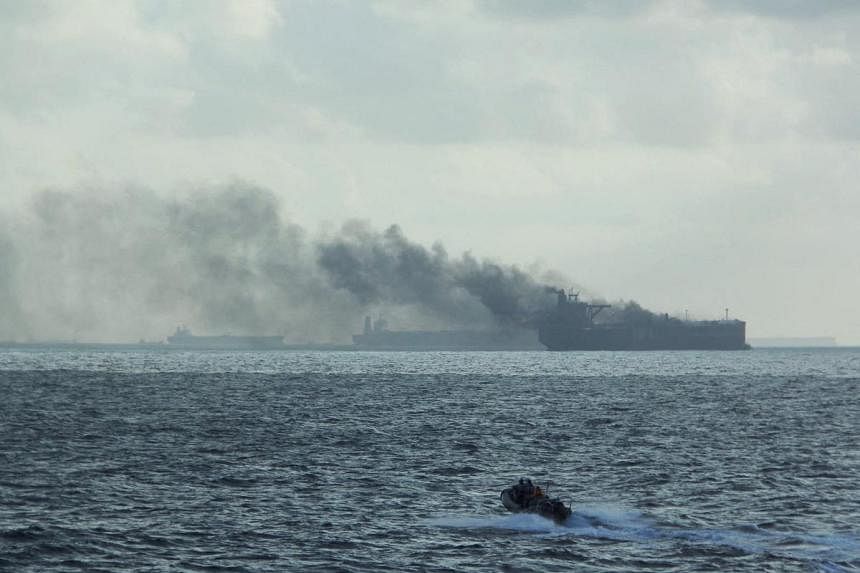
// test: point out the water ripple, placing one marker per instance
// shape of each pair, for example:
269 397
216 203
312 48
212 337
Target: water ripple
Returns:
361 467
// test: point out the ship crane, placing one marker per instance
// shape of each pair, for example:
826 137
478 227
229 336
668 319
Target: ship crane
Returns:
591 310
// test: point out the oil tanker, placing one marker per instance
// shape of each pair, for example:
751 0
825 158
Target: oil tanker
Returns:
376 336
571 326
183 338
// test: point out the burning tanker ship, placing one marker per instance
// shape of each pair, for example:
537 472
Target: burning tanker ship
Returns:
571 326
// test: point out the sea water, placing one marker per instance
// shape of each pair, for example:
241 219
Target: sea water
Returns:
162 460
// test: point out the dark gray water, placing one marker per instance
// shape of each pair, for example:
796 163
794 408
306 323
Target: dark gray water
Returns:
169 461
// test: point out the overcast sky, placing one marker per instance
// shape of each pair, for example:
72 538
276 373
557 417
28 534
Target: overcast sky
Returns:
688 155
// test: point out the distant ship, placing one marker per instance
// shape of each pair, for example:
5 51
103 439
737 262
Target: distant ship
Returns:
183 338
571 326
376 336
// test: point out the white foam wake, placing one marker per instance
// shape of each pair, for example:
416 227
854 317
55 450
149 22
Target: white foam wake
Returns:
526 522
622 524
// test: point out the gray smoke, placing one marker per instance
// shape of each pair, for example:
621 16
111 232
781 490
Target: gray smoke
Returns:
130 264
10 311
96 264
387 267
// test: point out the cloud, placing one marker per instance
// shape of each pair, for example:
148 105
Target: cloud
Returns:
663 74
555 9
789 9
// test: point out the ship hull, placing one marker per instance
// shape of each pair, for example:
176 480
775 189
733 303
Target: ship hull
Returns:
716 335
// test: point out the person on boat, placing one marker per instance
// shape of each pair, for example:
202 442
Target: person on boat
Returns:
525 491
522 491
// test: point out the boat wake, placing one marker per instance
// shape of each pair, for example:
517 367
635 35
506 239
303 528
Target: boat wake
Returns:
830 553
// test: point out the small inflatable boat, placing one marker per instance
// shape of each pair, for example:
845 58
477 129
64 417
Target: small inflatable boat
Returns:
525 497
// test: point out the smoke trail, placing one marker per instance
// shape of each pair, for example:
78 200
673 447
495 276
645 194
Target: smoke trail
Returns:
10 311
119 265
379 267
130 263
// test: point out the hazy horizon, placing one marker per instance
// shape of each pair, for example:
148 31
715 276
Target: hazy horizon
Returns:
266 166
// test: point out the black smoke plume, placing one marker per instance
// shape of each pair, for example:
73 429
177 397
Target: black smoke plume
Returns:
387 267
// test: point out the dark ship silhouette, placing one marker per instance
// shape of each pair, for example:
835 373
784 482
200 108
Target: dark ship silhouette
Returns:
183 338
571 326
376 336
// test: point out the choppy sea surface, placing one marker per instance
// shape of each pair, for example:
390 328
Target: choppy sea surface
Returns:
325 461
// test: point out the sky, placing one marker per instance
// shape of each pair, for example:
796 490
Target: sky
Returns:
692 156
